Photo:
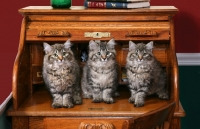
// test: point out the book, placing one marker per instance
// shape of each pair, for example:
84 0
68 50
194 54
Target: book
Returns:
120 0
124 75
114 5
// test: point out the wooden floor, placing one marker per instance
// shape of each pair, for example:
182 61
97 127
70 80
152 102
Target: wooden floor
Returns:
39 104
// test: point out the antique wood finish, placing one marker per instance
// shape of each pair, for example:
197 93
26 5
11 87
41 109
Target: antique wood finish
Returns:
157 119
21 71
32 101
20 122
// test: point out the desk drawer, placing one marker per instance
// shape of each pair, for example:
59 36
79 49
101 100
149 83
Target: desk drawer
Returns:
76 123
84 31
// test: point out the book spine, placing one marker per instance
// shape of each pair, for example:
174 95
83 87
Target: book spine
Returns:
118 0
107 0
91 4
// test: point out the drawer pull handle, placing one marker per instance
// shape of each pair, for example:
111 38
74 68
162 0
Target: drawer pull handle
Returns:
137 33
53 33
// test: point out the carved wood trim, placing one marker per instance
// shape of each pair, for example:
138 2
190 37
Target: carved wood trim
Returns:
141 33
54 33
96 125
87 125
104 125
125 124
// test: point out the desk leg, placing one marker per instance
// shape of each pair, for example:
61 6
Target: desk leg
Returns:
175 123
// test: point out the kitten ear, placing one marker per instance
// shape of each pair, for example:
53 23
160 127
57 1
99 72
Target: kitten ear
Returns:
132 45
149 45
92 45
67 44
47 47
111 44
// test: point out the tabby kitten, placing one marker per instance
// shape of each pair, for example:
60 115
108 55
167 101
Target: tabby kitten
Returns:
145 74
99 80
61 75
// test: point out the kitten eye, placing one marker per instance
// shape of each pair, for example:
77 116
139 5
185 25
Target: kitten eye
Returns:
55 55
132 56
145 55
108 53
67 54
99 53
64 53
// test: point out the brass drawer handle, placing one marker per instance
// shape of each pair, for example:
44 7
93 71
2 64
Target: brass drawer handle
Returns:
53 33
137 33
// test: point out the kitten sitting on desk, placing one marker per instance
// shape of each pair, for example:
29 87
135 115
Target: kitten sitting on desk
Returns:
145 74
99 80
61 75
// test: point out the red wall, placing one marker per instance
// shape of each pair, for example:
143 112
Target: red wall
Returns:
187 29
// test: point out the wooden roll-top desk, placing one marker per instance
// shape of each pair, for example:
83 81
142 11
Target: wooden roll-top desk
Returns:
32 102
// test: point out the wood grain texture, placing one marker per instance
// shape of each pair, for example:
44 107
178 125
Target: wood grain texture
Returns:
20 88
36 123
83 123
76 30
20 122
159 119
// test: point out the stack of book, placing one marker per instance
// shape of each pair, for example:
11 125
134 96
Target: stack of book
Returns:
117 3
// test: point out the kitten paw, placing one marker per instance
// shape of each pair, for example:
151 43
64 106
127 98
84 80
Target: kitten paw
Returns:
116 94
109 100
138 104
56 105
97 100
68 105
131 100
77 102
163 96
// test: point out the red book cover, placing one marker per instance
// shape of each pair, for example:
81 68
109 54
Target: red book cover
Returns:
96 4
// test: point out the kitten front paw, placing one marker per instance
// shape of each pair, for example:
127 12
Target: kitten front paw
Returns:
57 101
116 94
138 104
97 100
68 105
56 105
77 99
77 102
109 100
163 96
131 100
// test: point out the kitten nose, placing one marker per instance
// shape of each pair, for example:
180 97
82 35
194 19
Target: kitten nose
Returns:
60 58
140 57
103 56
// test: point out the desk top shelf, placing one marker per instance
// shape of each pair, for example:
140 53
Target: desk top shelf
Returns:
39 104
